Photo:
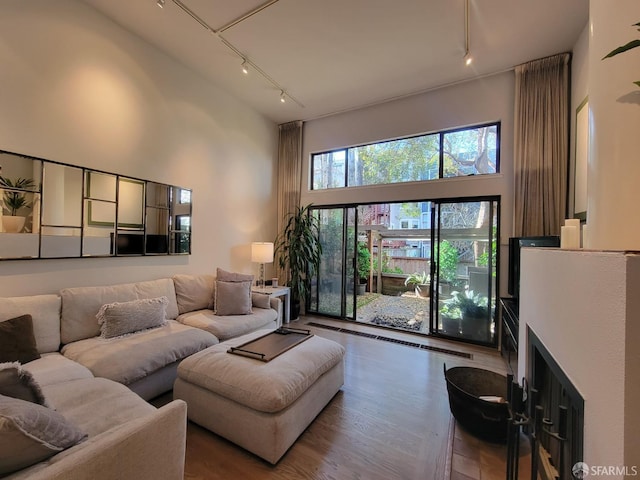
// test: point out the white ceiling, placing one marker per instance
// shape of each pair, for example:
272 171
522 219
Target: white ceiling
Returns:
337 55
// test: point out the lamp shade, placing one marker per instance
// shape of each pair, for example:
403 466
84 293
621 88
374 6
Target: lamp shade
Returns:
262 252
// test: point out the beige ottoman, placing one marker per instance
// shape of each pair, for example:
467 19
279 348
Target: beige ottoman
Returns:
263 407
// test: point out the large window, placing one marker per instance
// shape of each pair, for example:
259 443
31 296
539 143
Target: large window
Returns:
451 153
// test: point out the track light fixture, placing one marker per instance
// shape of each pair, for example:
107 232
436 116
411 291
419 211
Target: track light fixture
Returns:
218 33
467 55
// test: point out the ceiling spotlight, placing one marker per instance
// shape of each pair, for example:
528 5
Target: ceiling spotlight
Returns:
468 59
160 3
282 99
245 67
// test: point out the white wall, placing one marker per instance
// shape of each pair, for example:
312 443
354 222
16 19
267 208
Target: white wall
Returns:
583 307
76 88
490 99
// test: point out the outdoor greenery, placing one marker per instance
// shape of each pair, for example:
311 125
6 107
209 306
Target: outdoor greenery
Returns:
416 279
448 258
298 250
469 304
14 201
364 261
385 264
624 48
465 152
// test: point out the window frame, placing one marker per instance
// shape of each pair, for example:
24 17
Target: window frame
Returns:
441 135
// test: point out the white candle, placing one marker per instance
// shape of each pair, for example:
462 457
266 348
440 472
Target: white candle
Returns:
569 237
572 222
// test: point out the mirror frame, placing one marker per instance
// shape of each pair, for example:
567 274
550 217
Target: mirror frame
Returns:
128 235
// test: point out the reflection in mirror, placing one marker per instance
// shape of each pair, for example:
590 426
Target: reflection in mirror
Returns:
157 219
62 198
60 242
100 186
129 243
181 221
19 205
100 221
130 203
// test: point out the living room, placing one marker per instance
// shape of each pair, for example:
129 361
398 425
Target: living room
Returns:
80 89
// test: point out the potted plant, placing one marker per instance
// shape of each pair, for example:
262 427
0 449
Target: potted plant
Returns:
298 251
14 200
364 267
474 313
420 283
450 317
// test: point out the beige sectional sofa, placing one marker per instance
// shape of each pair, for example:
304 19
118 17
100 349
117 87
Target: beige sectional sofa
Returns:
100 384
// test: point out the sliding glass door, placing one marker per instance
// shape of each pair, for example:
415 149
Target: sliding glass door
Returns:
333 288
464 269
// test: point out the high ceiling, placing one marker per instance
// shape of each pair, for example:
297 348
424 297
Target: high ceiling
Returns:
335 55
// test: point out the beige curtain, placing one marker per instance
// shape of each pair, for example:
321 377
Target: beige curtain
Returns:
289 175
541 143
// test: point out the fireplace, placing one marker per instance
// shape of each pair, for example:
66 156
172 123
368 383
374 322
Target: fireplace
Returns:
553 398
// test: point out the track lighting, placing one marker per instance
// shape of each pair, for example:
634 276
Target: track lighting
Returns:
467 55
160 3
245 66
282 99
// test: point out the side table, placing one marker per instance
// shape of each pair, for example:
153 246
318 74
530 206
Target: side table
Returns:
284 292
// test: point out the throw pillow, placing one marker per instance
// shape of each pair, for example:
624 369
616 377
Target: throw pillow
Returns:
17 341
31 433
121 318
261 300
193 292
233 298
225 276
18 383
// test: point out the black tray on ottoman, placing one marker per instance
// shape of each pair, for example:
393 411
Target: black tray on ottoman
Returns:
269 346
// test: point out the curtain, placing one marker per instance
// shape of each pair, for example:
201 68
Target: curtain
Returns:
289 176
541 145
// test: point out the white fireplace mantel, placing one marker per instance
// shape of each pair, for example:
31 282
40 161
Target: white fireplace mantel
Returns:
585 308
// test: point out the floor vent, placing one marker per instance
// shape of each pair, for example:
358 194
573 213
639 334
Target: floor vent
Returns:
421 346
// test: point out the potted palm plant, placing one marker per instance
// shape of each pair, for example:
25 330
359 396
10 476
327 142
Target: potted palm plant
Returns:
298 251
14 200
420 282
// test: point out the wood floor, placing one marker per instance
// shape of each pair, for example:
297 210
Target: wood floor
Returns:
391 420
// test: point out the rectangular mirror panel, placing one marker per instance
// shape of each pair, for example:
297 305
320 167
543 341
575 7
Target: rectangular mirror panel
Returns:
100 186
62 196
60 242
130 203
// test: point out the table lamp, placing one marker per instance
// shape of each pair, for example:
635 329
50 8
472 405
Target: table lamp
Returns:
262 252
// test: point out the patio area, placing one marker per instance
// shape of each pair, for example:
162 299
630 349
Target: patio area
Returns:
404 312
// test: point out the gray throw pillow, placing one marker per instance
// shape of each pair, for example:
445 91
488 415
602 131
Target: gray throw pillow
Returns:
193 292
261 300
225 276
233 298
122 318
31 433
19 383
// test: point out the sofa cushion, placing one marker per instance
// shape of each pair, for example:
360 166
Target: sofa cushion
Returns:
17 382
130 358
193 292
45 313
225 327
261 300
53 368
117 319
225 276
30 433
81 304
97 404
17 342
233 298
263 386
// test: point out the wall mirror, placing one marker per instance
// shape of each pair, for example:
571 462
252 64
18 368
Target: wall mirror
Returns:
54 210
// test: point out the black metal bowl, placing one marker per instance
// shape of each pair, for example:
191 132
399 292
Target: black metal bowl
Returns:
484 419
